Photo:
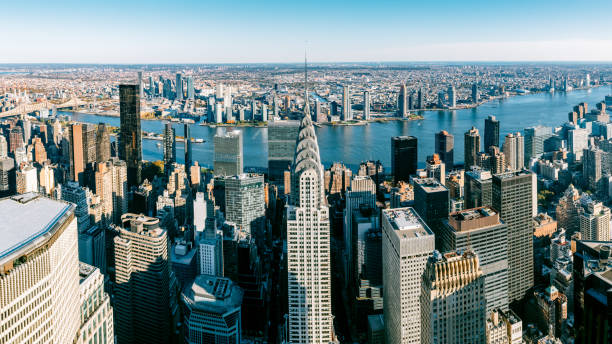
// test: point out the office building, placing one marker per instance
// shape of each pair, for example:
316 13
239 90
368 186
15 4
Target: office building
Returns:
120 189
431 202
103 145
535 139
472 147
15 139
577 141
92 246
402 105
104 189
39 271
130 140
404 157
481 230
169 147
228 153
210 252
435 168
452 97
347 112
188 151
504 327
592 164
96 311
190 89
46 177
212 310
595 222
310 318
407 243
568 210
142 281
453 300
491 135
244 202
366 105
281 147
445 148
337 179
77 166
475 95
592 291
513 198
74 193
514 150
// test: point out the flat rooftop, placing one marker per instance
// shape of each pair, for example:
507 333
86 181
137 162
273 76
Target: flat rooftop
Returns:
474 218
407 221
430 184
26 219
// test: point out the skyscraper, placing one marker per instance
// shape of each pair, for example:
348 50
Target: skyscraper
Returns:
595 222
75 135
130 140
452 97
140 83
406 245
103 149
472 147
7 176
366 105
347 112
142 281
228 153
514 150
308 243
512 197
592 168
431 202
190 89
478 188
281 147
404 157
39 271
244 202
179 86
188 152
491 135
169 147
535 137
481 230
453 300
212 310
95 309
445 148
402 105
420 102
475 96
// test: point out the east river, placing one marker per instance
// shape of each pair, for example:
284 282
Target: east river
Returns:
354 144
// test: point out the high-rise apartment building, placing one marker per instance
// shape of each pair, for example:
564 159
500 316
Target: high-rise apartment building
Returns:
244 202
595 222
453 300
491 134
310 318
514 150
472 147
75 137
130 139
407 243
452 97
212 310
7 176
190 88
402 104
435 168
475 96
513 198
281 147
120 189
592 164
404 157
445 148
169 147
481 230
179 86
366 105
39 271
142 281
347 112
26 180
228 153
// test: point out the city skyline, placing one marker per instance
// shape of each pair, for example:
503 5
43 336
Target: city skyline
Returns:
206 32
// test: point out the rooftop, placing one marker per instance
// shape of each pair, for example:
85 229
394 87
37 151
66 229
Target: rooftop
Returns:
85 270
213 293
26 220
473 218
407 221
430 184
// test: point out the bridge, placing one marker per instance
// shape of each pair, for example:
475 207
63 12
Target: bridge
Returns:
23 109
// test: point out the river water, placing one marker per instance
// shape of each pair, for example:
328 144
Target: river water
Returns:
353 144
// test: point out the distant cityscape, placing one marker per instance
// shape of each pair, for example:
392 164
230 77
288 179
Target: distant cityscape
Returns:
509 243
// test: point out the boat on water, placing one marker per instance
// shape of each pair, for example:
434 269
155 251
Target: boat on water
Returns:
197 140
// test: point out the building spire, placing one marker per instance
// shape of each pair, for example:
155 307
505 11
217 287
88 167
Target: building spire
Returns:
306 105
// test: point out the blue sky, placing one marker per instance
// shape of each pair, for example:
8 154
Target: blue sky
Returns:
229 31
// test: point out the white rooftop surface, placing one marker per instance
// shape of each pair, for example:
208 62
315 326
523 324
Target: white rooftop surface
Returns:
22 223
407 221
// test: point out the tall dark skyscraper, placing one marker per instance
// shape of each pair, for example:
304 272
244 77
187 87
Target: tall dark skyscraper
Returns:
472 147
475 97
431 200
445 148
179 86
103 148
169 147
130 136
404 157
188 156
420 104
402 105
512 197
491 135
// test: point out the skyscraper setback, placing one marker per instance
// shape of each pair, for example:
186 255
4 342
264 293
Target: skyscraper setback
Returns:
130 139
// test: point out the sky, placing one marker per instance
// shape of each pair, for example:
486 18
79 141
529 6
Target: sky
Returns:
259 31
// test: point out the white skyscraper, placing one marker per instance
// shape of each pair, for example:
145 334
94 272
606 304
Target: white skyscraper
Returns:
366 105
407 243
39 271
96 311
595 222
308 243
514 150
